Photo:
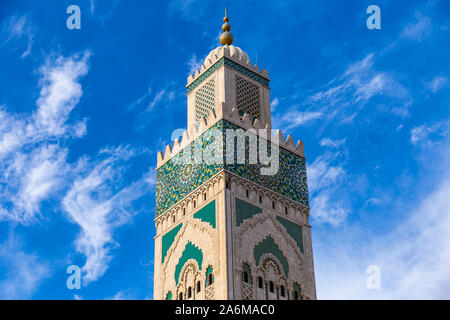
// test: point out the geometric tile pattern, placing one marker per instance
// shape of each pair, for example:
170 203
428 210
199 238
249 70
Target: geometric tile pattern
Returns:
205 100
229 63
247 98
175 179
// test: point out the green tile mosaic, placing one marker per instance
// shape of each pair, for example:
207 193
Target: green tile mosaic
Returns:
168 239
294 230
207 214
268 245
177 178
191 251
245 210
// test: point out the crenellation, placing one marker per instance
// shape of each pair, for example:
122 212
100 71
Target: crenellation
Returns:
245 122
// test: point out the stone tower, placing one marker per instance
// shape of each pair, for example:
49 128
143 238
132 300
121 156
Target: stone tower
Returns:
232 214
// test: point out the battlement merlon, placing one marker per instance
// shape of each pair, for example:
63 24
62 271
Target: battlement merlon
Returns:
243 122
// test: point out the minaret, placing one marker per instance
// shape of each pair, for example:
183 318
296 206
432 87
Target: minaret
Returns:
232 211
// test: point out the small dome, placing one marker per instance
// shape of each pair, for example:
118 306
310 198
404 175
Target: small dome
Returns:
235 52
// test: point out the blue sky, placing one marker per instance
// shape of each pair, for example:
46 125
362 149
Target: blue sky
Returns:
81 114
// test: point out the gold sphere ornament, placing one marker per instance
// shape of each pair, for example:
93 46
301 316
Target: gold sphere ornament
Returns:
226 38
226 27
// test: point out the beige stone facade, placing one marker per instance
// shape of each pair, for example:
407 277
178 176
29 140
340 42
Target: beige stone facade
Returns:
230 237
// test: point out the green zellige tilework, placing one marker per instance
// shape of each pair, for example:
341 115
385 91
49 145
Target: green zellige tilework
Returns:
176 179
289 181
207 214
294 230
229 63
245 211
168 239
268 245
191 251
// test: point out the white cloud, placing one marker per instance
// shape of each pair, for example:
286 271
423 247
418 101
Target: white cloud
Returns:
294 118
92 6
412 251
156 99
60 92
437 83
426 134
162 95
99 206
327 142
413 258
141 99
33 161
123 295
274 104
34 167
191 10
24 272
324 181
194 64
343 98
16 29
418 30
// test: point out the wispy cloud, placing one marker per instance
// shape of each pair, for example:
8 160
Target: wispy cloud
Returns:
325 179
412 255
92 6
194 64
34 167
149 100
437 83
426 135
294 118
327 142
24 271
274 104
419 29
157 99
343 98
190 10
123 295
99 202
356 87
141 99
33 161
19 29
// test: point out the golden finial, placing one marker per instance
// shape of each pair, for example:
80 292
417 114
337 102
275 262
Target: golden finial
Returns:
226 37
